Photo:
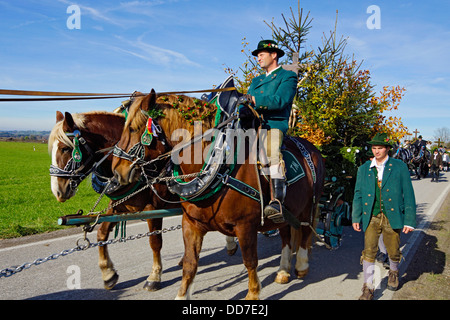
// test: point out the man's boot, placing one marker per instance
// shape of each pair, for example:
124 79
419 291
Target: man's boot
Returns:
367 293
274 210
392 280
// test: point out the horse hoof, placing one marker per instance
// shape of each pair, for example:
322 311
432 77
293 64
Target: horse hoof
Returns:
152 285
302 273
232 251
252 296
282 278
109 284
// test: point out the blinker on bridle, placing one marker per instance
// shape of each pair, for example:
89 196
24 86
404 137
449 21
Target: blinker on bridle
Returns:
76 153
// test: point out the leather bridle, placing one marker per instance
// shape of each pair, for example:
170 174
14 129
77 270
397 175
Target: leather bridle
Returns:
75 169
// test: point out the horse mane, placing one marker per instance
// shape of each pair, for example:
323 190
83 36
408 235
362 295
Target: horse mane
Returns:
174 112
80 120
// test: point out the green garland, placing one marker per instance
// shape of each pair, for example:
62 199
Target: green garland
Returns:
190 113
155 113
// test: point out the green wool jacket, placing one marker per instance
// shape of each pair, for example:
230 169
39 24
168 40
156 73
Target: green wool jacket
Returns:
397 195
273 96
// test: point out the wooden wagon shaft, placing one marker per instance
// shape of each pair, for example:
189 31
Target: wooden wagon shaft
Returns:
74 219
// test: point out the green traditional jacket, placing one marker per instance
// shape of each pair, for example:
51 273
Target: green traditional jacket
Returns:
273 96
397 195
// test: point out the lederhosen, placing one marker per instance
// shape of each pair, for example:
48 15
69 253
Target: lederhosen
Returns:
379 224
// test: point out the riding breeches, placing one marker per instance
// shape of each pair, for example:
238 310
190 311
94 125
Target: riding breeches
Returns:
271 140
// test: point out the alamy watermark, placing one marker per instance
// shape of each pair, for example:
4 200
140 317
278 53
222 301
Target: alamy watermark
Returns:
240 146
375 278
74 20
74 280
374 20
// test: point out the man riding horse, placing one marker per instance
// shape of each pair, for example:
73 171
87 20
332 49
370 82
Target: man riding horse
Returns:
421 144
420 157
272 94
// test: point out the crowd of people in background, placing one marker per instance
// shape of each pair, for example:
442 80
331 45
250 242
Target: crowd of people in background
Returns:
439 159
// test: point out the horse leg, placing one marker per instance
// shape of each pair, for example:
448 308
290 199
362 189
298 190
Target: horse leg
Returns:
302 264
193 239
231 245
248 243
284 272
109 274
153 282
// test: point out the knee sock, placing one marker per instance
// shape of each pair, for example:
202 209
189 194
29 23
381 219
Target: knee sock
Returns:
368 271
393 266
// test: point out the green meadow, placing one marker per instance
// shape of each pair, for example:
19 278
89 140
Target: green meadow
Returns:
27 204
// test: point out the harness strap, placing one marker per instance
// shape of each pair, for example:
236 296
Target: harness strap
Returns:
241 187
307 156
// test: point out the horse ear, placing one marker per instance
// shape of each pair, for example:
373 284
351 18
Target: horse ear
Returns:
59 116
149 101
68 124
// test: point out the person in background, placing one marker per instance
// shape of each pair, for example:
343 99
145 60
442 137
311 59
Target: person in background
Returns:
445 161
435 165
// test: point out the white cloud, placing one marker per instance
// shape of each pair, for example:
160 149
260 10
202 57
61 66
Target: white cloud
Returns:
152 53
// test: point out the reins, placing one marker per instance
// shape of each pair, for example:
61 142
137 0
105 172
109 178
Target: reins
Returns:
59 96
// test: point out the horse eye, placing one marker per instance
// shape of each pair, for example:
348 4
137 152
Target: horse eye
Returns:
65 150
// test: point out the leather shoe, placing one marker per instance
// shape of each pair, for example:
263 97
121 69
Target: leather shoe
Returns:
367 293
392 280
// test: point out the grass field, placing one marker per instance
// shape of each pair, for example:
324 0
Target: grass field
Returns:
27 205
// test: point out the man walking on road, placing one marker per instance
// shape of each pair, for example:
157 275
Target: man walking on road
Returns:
384 203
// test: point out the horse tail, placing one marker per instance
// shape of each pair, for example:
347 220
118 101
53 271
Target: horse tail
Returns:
297 235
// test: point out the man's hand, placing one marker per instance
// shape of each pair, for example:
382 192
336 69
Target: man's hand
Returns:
245 112
407 229
356 226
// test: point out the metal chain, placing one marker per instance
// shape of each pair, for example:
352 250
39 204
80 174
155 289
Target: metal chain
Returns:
7 272
185 176
147 185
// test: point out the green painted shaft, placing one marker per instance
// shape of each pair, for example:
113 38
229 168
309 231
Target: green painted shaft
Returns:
71 220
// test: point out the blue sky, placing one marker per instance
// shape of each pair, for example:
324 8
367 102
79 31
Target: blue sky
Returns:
123 46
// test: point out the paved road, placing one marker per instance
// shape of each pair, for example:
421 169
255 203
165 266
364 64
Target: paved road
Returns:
333 274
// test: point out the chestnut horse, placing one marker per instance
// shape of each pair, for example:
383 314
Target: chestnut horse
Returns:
219 211
101 131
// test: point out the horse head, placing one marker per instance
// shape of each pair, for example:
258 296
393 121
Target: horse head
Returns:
171 116
139 142
74 145
65 155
